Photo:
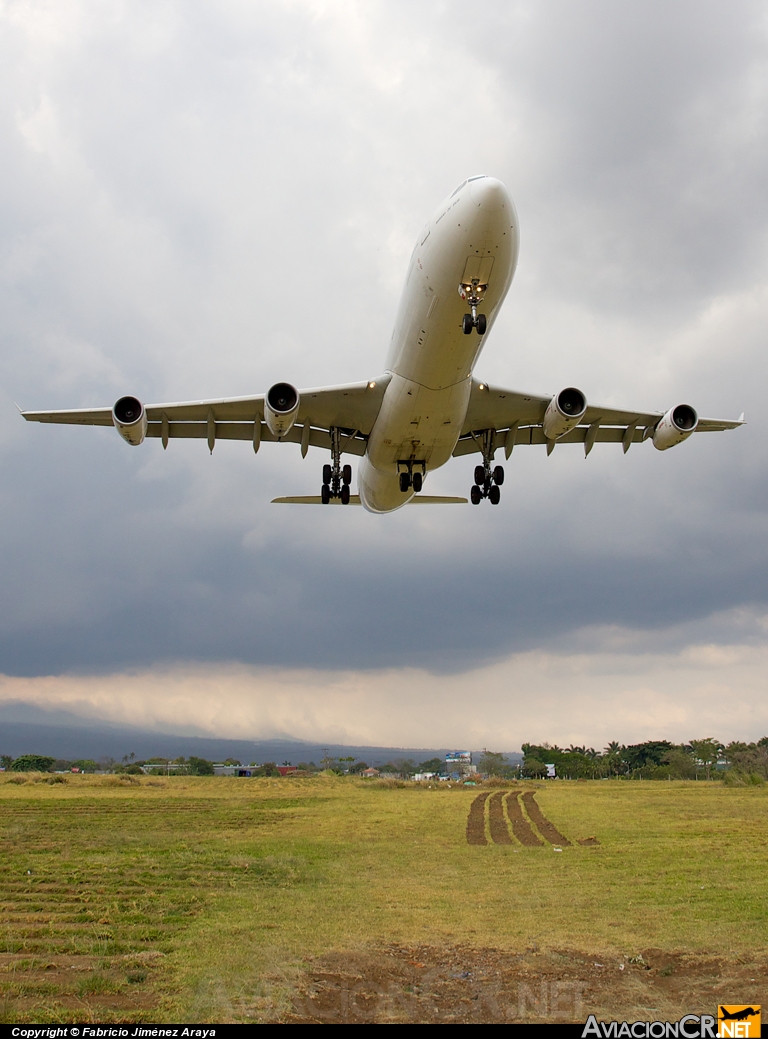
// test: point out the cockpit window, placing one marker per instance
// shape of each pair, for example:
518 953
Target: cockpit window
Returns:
480 176
458 189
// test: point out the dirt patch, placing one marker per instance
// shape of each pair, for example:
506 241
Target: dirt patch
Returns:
476 821
520 826
589 842
497 822
79 988
456 985
547 830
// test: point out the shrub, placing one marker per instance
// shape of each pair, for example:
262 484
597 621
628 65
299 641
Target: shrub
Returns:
32 763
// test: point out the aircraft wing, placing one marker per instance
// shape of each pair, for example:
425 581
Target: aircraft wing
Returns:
351 408
517 419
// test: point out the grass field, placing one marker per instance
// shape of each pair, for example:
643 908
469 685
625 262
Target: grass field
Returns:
337 899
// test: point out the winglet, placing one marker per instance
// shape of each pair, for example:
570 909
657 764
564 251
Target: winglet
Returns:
741 417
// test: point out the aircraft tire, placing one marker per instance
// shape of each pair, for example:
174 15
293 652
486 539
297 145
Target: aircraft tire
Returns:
475 495
327 474
466 324
479 475
346 475
345 494
481 324
405 482
495 495
418 481
325 494
498 475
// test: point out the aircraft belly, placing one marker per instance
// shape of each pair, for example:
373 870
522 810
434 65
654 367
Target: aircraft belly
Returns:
417 423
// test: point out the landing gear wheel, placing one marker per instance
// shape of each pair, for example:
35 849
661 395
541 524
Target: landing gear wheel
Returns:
345 494
418 481
495 495
346 475
498 475
467 324
479 474
325 494
405 482
475 495
327 474
481 324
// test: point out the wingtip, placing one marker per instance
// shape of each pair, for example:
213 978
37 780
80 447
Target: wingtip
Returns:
741 417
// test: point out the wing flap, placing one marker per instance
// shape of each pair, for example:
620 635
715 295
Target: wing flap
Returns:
351 445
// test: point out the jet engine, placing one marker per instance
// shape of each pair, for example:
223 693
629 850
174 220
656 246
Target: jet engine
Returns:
675 427
281 406
564 412
130 420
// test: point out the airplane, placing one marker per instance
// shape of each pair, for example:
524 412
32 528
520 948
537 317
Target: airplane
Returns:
427 407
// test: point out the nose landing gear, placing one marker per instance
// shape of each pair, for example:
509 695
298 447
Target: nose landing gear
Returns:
473 292
336 477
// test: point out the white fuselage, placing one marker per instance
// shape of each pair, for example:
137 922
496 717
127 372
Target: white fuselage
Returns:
430 358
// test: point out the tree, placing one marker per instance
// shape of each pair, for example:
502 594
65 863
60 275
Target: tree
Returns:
233 761
6 761
432 765
84 765
707 752
642 755
357 768
492 764
200 767
680 763
32 763
533 768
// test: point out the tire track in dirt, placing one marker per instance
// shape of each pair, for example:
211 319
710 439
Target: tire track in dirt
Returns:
476 820
547 830
497 822
521 828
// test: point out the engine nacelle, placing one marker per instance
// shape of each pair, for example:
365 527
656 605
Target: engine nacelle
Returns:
564 412
281 406
130 420
675 427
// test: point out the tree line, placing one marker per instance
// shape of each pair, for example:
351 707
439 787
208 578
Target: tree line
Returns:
656 759
735 762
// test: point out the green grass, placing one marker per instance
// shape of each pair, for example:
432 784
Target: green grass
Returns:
200 899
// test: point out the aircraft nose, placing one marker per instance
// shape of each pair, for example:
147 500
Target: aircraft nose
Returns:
489 193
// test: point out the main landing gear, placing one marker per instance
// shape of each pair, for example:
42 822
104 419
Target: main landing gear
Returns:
409 478
473 292
336 477
487 480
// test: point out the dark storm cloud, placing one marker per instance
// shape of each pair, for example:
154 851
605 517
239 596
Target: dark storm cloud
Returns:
196 203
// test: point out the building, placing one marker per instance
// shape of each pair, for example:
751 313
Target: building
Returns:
458 764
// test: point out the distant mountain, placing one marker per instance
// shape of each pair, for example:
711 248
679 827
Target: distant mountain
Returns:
26 729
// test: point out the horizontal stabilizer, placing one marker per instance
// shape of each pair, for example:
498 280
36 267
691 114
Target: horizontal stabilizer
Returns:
313 499
354 499
433 499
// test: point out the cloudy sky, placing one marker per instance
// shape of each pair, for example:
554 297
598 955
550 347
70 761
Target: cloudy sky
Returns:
198 199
